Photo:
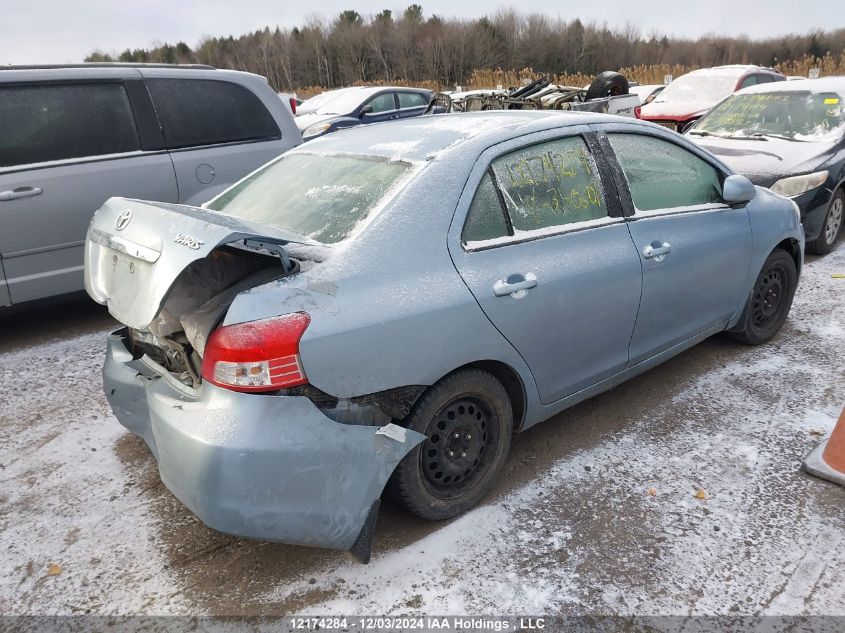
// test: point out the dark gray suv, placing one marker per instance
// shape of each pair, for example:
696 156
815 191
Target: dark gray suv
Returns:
72 137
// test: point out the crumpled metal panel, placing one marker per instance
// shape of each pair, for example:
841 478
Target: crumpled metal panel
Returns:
266 467
135 250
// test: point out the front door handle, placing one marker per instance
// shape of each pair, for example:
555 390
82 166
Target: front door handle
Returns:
657 250
21 192
516 285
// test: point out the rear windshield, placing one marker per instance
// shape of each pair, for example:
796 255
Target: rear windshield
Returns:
792 115
318 196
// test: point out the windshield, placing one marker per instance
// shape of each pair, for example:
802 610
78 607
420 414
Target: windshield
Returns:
321 197
318 101
689 88
344 103
795 116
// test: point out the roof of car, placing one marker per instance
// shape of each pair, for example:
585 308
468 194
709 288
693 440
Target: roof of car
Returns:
55 72
823 84
730 70
365 90
418 138
105 65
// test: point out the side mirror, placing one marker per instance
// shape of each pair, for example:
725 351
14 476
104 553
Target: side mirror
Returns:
738 190
367 109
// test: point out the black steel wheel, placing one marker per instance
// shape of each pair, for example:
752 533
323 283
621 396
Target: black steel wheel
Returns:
770 300
834 219
467 421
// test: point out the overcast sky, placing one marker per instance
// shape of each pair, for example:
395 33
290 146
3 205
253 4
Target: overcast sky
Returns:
61 31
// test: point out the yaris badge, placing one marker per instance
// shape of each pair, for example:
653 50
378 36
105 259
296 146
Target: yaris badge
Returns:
123 220
187 240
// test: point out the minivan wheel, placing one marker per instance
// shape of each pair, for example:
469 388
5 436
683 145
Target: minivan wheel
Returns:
770 300
468 421
831 227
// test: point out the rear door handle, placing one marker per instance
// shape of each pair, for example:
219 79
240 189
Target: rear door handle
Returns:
21 192
504 288
650 251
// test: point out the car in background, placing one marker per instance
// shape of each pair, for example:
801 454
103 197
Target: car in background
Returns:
71 137
311 105
646 93
789 137
690 96
387 305
361 105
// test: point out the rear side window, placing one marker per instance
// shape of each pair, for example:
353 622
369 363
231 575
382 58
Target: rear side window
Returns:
485 218
206 112
662 175
550 184
50 122
411 100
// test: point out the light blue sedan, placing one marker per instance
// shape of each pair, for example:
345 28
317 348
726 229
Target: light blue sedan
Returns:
385 306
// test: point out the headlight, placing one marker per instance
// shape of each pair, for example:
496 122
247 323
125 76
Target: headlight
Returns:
796 185
316 129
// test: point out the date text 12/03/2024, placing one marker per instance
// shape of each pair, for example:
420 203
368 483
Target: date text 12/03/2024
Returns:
428 623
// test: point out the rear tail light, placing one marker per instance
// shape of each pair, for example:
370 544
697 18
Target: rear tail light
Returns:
637 111
293 104
258 355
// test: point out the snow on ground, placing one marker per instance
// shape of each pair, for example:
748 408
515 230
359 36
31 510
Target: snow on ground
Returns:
677 493
66 497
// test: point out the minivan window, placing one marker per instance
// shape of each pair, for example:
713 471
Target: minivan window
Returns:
49 122
550 184
320 197
196 112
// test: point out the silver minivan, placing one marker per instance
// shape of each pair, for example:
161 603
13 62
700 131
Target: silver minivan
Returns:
72 137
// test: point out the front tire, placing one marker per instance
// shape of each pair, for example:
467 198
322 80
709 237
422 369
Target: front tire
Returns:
468 421
831 227
770 300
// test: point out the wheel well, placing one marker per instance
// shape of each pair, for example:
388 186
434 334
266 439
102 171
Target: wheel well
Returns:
512 383
791 246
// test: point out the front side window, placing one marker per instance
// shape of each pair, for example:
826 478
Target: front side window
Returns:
195 112
49 122
321 197
382 103
411 100
748 81
662 175
550 184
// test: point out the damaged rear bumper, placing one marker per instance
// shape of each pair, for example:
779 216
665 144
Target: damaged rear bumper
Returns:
266 467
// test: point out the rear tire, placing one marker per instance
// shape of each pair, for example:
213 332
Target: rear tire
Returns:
468 422
831 227
770 300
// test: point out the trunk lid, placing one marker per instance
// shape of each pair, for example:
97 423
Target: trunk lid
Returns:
135 250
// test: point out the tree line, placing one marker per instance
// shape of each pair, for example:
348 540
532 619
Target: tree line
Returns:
414 48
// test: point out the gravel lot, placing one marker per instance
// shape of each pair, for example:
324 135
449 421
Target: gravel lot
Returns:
599 512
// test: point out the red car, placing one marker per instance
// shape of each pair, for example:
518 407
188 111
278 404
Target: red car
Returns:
692 95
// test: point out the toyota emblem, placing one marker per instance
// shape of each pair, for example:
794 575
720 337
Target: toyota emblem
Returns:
123 220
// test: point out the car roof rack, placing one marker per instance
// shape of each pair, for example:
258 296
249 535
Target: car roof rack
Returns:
105 65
